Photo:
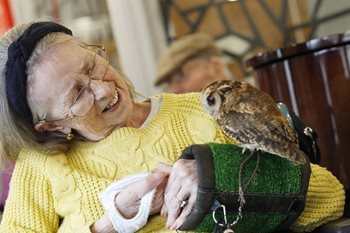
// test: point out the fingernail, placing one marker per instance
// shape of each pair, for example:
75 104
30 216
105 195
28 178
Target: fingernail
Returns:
175 226
169 225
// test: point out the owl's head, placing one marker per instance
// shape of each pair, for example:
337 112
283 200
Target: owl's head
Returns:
213 96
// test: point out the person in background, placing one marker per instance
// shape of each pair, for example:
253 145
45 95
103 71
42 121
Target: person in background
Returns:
190 64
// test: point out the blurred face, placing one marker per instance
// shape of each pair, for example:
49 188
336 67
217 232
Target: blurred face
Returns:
194 75
76 89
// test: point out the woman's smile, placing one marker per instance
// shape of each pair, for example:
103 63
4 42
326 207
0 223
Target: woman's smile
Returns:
114 103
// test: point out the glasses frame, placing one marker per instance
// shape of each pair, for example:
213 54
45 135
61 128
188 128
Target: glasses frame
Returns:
71 115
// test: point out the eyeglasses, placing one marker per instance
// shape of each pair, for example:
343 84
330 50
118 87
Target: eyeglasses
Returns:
84 100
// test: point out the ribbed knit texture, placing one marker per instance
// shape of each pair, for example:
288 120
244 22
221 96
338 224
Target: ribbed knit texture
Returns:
325 200
45 188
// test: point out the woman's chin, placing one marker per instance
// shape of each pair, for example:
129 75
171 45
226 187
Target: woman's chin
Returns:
96 136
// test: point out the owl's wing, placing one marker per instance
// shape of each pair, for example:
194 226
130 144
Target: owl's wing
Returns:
256 108
254 130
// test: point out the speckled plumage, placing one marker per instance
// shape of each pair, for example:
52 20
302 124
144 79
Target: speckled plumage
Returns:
251 117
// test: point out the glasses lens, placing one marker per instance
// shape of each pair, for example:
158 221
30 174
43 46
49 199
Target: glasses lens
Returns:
100 65
83 104
101 52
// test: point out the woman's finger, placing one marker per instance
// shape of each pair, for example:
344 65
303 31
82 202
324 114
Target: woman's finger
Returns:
184 193
170 186
171 206
144 186
185 198
158 199
164 210
181 198
164 168
173 211
186 211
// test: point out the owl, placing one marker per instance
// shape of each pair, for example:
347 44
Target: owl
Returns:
251 117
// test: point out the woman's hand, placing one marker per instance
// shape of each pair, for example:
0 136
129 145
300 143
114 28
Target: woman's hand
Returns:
182 186
102 225
128 201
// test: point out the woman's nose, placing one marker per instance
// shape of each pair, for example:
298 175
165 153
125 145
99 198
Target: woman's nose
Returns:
100 89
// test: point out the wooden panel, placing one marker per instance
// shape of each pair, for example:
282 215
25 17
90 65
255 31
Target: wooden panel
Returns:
311 97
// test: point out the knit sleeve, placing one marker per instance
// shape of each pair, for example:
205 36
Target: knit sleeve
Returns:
29 207
325 200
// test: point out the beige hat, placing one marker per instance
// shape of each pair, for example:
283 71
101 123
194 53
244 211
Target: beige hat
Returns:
183 49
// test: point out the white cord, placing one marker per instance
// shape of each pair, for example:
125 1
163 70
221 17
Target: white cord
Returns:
121 224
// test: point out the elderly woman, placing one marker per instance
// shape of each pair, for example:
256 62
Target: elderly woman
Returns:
70 123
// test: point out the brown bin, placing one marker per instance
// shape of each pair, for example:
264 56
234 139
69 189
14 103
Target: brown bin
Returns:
313 78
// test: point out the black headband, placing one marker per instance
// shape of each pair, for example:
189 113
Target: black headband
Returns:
19 52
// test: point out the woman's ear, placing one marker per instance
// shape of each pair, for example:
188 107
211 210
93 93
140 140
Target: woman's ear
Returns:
43 126
217 65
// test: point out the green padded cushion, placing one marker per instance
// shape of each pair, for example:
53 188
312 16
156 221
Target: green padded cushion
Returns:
275 176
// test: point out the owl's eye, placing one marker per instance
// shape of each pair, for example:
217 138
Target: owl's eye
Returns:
211 100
